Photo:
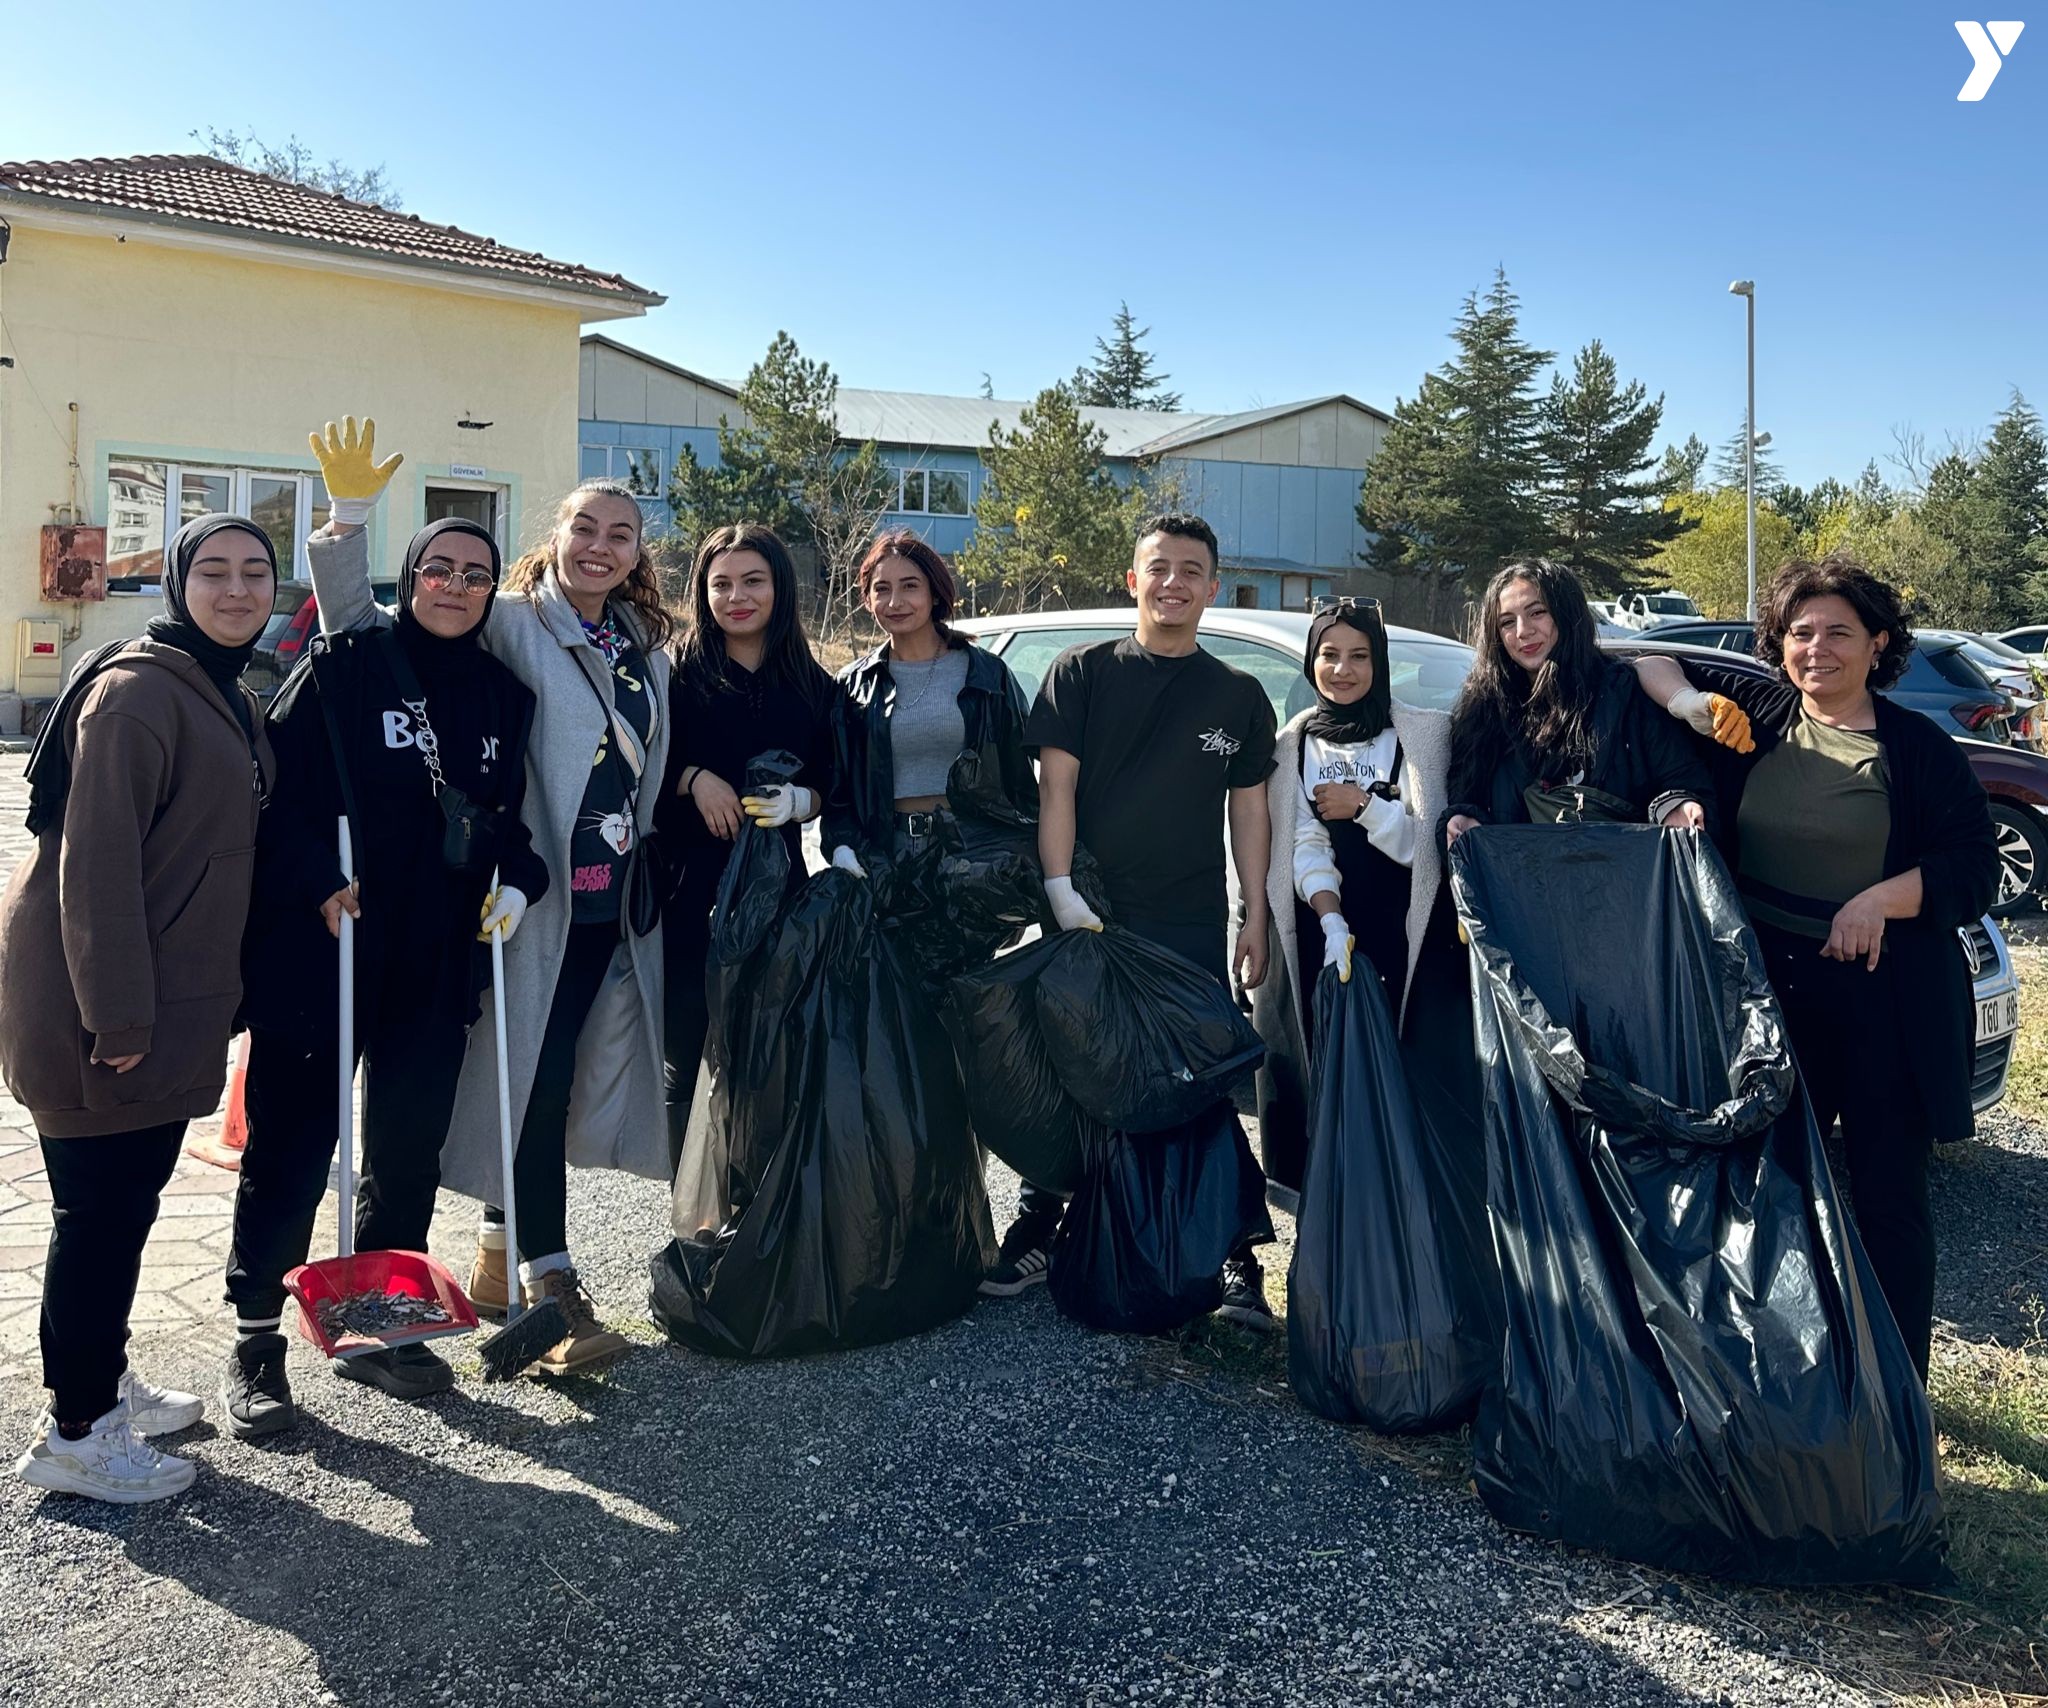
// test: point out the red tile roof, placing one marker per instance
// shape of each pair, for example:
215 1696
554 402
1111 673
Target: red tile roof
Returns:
199 190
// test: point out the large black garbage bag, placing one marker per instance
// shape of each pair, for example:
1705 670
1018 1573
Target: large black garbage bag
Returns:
1141 1247
862 1216
1393 1317
1699 1371
1142 1039
1021 1109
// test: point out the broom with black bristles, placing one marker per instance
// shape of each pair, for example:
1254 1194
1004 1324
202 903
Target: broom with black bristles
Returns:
527 1334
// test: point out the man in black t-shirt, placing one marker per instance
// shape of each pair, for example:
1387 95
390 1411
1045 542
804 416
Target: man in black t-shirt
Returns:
1141 743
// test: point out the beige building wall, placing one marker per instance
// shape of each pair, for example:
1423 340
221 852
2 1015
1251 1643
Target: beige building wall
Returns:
1329 436
617 386
178 354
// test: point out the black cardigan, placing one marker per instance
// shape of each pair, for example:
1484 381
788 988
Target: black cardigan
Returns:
1639 754
1941 823
861 809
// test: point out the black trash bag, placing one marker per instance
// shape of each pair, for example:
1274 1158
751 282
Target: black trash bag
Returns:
1142 1039
1021 1110
865 1218
1699 1371
1393 1318
1140 1249
749 995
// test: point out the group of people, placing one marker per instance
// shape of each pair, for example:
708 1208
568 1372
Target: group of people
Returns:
547 755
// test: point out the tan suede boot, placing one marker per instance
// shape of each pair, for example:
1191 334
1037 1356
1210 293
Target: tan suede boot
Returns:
588 1341
487 1288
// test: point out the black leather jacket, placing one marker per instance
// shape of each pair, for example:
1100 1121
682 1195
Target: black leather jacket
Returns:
861 809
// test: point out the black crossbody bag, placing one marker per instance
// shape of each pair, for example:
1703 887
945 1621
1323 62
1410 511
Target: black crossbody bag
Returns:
464 838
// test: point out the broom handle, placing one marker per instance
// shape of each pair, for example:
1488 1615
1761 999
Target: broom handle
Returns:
513 1298
346 1073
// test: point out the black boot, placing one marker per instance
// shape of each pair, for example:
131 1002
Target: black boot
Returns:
254 1391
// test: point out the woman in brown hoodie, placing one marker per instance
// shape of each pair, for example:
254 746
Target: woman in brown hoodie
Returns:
120 975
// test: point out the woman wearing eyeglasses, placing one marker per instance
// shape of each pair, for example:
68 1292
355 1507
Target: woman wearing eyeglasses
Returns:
1352 879
418 737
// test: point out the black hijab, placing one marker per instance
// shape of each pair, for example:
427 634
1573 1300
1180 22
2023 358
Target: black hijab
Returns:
442 657
49 763
1372 711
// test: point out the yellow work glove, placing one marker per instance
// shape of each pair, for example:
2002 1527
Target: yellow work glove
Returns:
348 463
1714 716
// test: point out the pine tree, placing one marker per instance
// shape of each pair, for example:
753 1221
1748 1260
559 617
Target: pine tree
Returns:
1728 470
1683 465
1598 485
785 466
1455 484
1121 375
2012 480
1053 524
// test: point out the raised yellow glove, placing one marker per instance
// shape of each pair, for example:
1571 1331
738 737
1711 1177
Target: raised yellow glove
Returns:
348 463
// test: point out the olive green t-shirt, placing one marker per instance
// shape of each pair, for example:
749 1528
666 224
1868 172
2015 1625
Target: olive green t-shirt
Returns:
1816 815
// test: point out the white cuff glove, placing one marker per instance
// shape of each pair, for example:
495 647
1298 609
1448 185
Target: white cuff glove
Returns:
1069 911
844 858
1337 942
778 804
1696 707
504 908
352 512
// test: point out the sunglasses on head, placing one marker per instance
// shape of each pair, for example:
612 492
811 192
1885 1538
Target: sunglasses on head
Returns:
1324 602
439 577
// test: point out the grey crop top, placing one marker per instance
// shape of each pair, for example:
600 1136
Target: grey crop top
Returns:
926 730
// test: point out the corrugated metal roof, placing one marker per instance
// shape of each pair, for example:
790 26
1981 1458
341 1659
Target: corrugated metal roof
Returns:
934 422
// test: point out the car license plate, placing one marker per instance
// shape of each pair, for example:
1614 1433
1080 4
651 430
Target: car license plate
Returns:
1998 1015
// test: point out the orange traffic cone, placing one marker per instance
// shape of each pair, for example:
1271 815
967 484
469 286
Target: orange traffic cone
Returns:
226 1151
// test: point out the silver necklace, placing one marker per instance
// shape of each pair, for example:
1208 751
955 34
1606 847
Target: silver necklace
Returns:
931 670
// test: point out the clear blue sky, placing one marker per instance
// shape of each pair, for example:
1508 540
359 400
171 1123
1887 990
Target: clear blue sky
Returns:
1293 197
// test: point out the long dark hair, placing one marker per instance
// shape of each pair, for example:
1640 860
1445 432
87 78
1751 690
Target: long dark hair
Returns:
1548 715
785 648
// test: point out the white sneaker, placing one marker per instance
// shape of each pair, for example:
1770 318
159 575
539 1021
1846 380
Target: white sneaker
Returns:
113 1463
158 1411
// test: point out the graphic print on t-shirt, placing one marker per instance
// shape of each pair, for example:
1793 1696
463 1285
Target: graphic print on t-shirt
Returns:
604 831
1162 739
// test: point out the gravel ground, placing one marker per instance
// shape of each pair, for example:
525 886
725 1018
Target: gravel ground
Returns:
1009 1509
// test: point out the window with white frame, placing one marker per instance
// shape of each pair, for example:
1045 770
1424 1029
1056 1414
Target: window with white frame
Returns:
637 467
149 501
932 492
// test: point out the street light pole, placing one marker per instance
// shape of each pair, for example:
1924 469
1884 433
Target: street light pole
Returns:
1746 289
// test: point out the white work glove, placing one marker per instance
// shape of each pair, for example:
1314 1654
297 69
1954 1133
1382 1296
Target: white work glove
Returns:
1069 911
1337 941
845 859
504 908
777 805
1715 716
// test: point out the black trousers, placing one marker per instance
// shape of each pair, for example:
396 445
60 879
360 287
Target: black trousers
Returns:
1208 947
540 1167
686 1010
103 1202
412 1062
1852 1054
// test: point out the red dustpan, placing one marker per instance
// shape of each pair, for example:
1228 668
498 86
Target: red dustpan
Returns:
367 1301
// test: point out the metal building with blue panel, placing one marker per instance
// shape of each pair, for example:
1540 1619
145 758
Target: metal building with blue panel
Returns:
1279 485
